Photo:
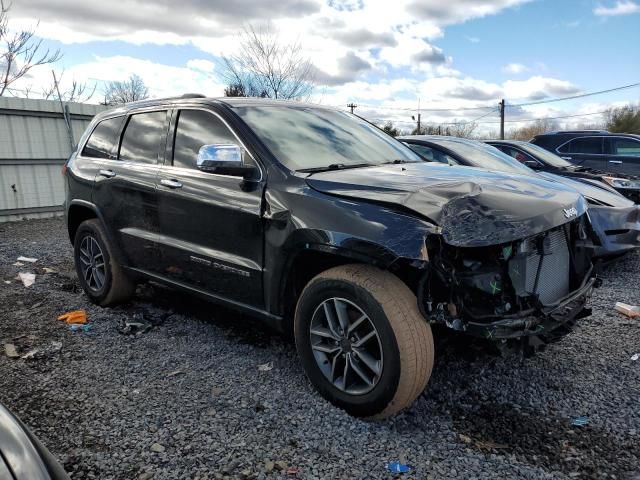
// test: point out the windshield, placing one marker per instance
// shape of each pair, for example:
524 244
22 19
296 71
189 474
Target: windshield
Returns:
313 138
485 156
545 155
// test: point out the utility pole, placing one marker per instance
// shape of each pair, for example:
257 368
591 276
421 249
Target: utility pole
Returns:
352 106
66 113
502 119
414 118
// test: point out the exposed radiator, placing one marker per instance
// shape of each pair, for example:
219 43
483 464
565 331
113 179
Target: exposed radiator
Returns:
546 257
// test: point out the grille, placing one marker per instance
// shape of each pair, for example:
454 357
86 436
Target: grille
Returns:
554 264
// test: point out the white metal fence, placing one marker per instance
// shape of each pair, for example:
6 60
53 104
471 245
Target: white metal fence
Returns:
35 141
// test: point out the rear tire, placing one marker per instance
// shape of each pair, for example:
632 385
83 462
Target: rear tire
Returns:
386 373
102 279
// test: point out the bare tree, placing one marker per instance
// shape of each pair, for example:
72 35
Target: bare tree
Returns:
76 92
391 129
19 52
266 67
527 132
130 90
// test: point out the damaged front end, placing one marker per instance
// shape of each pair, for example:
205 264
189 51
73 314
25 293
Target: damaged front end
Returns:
522 294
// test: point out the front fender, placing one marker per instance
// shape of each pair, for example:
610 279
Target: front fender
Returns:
316 222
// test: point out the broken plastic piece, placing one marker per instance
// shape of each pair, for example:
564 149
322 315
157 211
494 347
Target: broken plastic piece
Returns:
77 328
27 259
628 310
581 421
74 317
635 357
134 327
10 350
27 279
265 367
397 467
292 471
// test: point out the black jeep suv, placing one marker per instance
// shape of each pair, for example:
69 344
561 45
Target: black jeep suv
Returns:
612 156
321 224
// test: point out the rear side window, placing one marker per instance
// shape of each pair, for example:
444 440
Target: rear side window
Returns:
431 154
517 154
591 146
626 146
103 140
196 128
142 137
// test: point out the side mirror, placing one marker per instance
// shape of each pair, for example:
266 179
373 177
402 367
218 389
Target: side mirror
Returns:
225 159
532 164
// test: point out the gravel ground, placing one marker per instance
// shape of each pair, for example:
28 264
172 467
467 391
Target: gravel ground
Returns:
187 400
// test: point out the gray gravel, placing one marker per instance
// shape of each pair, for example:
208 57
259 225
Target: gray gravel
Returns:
186 399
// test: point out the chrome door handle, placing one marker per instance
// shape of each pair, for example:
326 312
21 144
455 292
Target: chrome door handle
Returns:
171 183
566 158
615 161
107 173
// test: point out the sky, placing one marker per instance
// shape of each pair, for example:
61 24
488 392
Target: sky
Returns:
452 59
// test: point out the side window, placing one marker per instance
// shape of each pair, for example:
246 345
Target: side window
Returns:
142 137
626 146
423 151
194 129
518 155
591 146
103 140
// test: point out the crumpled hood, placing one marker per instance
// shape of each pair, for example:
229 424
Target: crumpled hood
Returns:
472 206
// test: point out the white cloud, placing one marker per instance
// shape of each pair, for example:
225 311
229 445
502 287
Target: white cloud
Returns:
515 68
621 7
162 80
201 65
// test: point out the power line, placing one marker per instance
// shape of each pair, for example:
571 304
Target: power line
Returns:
549 118
573 97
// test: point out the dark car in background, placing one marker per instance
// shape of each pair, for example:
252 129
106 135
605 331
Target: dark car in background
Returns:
598 151
22 456
614 218
540 159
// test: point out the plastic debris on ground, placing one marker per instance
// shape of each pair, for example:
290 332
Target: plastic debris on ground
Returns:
80 328
137 326
27 279
396 467
18 264
27 259
265 367
74 317
581 421
292 471
628 310
10 350
49 270
635 357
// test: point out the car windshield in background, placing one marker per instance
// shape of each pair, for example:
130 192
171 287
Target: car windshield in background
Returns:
485 156
545 155
316 138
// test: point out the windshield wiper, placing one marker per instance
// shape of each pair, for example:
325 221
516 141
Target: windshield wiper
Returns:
398 161
334 166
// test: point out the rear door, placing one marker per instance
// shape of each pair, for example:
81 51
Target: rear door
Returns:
125 187
624 154
210 225
585 151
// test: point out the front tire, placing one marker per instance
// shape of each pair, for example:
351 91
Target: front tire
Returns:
102 279
362 341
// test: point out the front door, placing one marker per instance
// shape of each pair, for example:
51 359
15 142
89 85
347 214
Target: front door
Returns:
211 235
586 152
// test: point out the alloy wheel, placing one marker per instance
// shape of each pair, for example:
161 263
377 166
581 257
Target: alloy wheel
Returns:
92 263
346 346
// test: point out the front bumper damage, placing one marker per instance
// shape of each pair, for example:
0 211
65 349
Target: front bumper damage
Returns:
522 295
617 229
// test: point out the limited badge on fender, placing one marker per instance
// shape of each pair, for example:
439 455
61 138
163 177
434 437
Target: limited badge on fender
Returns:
570 212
